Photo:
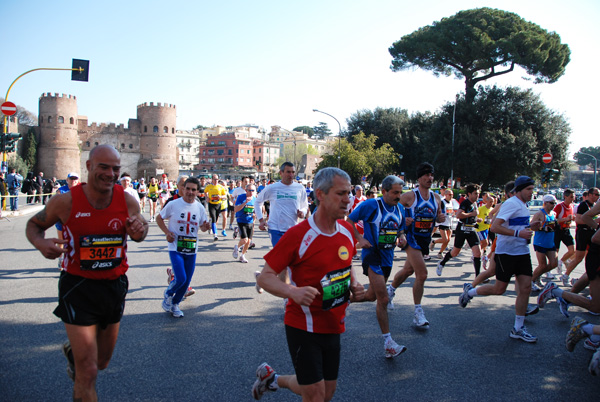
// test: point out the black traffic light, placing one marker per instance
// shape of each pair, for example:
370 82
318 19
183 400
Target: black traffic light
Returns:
9 142
81 69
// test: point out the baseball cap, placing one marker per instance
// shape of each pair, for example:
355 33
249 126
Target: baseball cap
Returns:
73 175
549 198
522 182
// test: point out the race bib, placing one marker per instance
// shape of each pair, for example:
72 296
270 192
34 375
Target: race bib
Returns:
467 228
336 288
423 224
215 198
186 244
101 252
387 238
248 210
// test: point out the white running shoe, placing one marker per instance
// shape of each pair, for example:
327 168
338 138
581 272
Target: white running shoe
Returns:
258 288
594 366
391 293
420 320
243 259
534 287
236 252
432 246
392 349
560 266
175 312
265 376
167 303
439 269
565 280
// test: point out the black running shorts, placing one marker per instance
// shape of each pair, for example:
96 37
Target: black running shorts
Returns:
246 230
509 265
315 357
83 301
592 262
564 236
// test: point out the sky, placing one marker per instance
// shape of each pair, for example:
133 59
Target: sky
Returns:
268 62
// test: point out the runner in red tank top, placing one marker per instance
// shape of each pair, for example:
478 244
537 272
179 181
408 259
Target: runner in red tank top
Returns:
97 217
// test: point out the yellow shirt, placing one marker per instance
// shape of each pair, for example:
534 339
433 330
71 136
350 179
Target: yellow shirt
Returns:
214 193
483 214
153 190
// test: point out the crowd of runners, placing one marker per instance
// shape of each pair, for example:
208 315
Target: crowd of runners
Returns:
316 234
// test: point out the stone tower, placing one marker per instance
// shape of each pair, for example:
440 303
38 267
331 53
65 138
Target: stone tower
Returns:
58 151
158 144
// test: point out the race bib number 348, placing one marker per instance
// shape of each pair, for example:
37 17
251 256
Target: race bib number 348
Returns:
101 252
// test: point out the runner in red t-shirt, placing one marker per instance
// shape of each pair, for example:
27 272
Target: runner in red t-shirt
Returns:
564 216
318 256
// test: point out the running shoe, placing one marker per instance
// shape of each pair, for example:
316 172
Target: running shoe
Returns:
591 345
391 293
251 246
523 335
464 298
594 366
432 245
392 349
532 309
235 232
563 306
573 281
534 287
68 353
439 256
538 283
258 288
189 292
175 312
426 257
243 259
550 276
565 280
419 319
439 269
167 303
236 252
559 268
223 233
546 294
265 376
575 333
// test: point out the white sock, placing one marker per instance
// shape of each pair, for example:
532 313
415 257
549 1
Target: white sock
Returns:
472 292
519 321
386 336
273 386
589 329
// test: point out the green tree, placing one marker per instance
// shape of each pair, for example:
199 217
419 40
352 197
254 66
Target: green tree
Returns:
585 160
15 161
504 133
294 154
306 130
322 130
361 157
30 145
478 44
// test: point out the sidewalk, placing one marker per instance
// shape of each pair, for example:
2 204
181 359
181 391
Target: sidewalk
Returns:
26 209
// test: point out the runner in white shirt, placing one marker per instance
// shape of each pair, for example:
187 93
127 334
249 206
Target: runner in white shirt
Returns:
126 183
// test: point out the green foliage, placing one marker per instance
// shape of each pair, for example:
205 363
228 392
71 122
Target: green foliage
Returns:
504 133
15 161
30 149
306 130
322 130
294 154
585 160
361 158
478 44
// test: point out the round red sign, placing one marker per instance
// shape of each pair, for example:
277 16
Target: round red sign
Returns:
547 158
8 108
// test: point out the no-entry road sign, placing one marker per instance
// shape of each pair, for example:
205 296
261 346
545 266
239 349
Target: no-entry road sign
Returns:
547 158
8 108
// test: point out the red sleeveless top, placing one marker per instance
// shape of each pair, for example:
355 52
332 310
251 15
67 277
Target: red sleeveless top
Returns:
97 240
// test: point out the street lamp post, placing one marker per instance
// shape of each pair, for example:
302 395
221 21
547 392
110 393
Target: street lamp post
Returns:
339 134
453 130
595 165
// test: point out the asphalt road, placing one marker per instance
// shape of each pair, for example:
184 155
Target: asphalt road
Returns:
228 330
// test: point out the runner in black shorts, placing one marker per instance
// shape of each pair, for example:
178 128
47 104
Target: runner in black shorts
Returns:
320 357
75 295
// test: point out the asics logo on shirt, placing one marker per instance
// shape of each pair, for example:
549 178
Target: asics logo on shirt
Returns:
83 215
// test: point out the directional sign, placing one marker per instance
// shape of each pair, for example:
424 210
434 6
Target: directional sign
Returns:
547 158
8 108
